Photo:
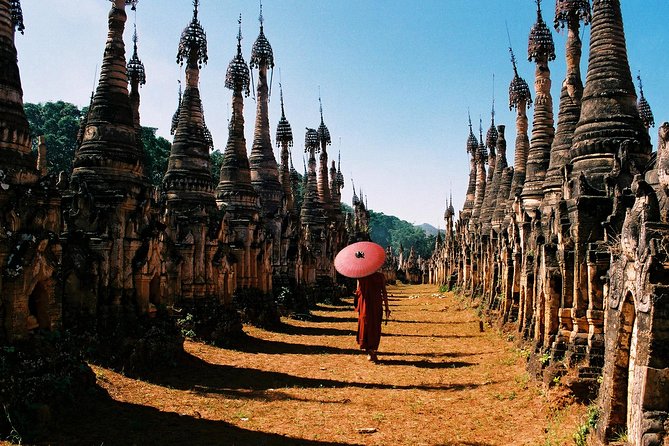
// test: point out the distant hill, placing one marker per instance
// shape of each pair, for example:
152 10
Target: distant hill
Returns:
388 230
429 229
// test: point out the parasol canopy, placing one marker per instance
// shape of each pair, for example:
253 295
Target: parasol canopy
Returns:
360 259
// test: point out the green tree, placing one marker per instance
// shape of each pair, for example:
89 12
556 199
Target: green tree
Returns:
157 150
216 163
59 123
388 230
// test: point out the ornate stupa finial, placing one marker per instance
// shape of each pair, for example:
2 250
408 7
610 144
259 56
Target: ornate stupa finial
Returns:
133 3
193 43
260 17
492 135
340 176
237 76
17 15
483 153
284 133
644 107
135 67
472 143
175 116
323 132
540 45
355 199
311 140
261 53
519 91
565 10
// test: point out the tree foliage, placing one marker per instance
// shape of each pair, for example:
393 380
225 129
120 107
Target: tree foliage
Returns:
59 123
388 230
157 150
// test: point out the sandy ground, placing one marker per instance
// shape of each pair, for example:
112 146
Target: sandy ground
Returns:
440 381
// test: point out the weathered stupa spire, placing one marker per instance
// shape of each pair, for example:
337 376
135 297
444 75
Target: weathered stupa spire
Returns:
323 141
472 148
264 172
569 14
15 143
284 137
521 100
609 122
541 50
234 188
491 143
137 78
644 107
110 157
312 210
481 159
188 178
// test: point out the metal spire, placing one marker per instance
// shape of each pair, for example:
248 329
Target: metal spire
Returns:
493 134
17 15
237 75
472 143
127 2
193 43
260 17
175 117
644 107
135 67
323 132
519 91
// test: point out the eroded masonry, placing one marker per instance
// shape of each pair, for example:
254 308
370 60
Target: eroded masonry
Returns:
570 245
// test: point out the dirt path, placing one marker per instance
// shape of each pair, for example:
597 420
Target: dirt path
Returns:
440 381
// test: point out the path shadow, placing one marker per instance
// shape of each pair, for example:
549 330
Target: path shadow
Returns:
434 322
425 364
344 306
257 345
194 374
317 318
103 420
401 335
313 331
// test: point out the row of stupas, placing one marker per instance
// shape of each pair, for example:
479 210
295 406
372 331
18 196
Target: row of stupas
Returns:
569 245
103 239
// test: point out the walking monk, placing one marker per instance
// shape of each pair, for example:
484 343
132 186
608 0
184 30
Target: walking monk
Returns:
372 295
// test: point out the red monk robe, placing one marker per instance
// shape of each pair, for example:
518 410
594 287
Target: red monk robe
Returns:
372 295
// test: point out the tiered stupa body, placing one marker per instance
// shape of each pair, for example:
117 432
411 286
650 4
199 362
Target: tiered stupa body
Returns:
481 160
521 100
30 215
324 141
312 216
541 50
188 185
472 148
569 14
558 261
492 181
285 271
110 198
610 146
264 171
235 193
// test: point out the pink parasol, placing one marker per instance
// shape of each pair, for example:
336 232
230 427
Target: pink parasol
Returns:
360 259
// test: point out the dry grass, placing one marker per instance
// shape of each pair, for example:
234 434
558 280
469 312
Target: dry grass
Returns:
440 381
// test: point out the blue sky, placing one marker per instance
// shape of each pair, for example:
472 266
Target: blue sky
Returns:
396 76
